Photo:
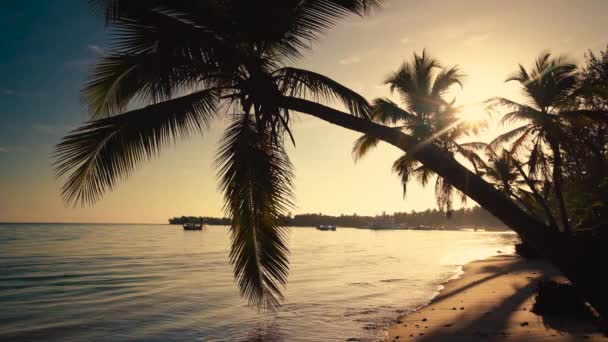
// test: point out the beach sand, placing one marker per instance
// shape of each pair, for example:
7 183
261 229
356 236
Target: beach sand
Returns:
491 302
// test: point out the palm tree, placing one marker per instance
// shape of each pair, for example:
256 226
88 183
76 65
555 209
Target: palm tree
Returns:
185 63
548 87
506 174
428 117
190 61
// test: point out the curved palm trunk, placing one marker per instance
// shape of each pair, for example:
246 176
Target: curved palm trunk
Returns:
557 184
575 263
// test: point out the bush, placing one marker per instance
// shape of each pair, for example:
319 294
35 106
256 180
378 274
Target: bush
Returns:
526 251
561 299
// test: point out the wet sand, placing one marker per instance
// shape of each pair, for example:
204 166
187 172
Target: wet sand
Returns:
491 302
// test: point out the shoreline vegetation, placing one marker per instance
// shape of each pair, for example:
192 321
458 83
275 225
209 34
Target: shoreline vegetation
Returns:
431 219
491 300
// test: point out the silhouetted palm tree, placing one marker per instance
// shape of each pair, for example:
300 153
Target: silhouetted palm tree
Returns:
548 86
190 62
506 174
501 171
428 117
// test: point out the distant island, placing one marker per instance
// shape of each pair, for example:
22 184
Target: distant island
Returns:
475 217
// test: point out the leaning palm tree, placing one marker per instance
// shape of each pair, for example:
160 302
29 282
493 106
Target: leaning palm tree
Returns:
428 117
182 64
548 87
191 60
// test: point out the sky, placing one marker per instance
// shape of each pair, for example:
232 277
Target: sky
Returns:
47 48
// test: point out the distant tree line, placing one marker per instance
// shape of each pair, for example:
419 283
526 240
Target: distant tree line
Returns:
221 221
472 217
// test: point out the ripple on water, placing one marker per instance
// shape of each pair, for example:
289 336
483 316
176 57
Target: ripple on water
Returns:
157 283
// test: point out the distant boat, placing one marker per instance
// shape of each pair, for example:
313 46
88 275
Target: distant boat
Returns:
193 226
326 227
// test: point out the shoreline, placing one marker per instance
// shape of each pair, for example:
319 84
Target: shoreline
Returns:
491 300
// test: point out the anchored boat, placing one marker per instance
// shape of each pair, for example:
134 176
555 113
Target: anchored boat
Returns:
325 227
193 226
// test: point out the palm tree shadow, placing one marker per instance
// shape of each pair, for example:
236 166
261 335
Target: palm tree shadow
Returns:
494 324
494 272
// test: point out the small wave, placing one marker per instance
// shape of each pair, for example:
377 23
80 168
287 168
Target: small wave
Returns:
392 280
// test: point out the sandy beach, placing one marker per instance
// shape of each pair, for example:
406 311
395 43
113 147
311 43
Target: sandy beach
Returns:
491 301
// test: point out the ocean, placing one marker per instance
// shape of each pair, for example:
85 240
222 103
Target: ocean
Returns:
90 282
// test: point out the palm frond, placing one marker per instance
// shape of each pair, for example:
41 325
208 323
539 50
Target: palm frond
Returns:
256 179
363 145
475 145
304 83
299 22
509 136
414 82
423 174
117 79
404 167
445 79
538 162
443 195
103 152
517 111
549 83
388 112
471 155
519 143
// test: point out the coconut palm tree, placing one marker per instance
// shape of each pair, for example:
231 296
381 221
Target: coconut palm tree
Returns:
548 86
506 174
182 64
428 117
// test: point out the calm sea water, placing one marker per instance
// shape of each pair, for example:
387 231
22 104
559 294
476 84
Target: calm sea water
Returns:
67 282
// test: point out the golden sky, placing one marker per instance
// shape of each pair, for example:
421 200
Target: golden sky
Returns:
487 39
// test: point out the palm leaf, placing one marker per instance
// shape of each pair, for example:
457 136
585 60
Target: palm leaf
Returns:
388 112
509 136
445 79
117 79
103 152
423 174
517 111
363 145
404 167
304 83
443 195
256 179
471 155
299 22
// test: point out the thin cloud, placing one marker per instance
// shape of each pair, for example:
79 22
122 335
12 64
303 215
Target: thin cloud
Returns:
98 50
350 60
405 41
476 39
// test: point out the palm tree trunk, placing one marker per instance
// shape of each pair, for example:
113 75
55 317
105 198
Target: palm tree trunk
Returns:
576 263
557 184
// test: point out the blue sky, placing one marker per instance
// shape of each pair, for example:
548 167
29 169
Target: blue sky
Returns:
46 48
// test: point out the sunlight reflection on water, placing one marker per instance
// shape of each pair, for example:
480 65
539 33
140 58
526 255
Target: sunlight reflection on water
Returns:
68 282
